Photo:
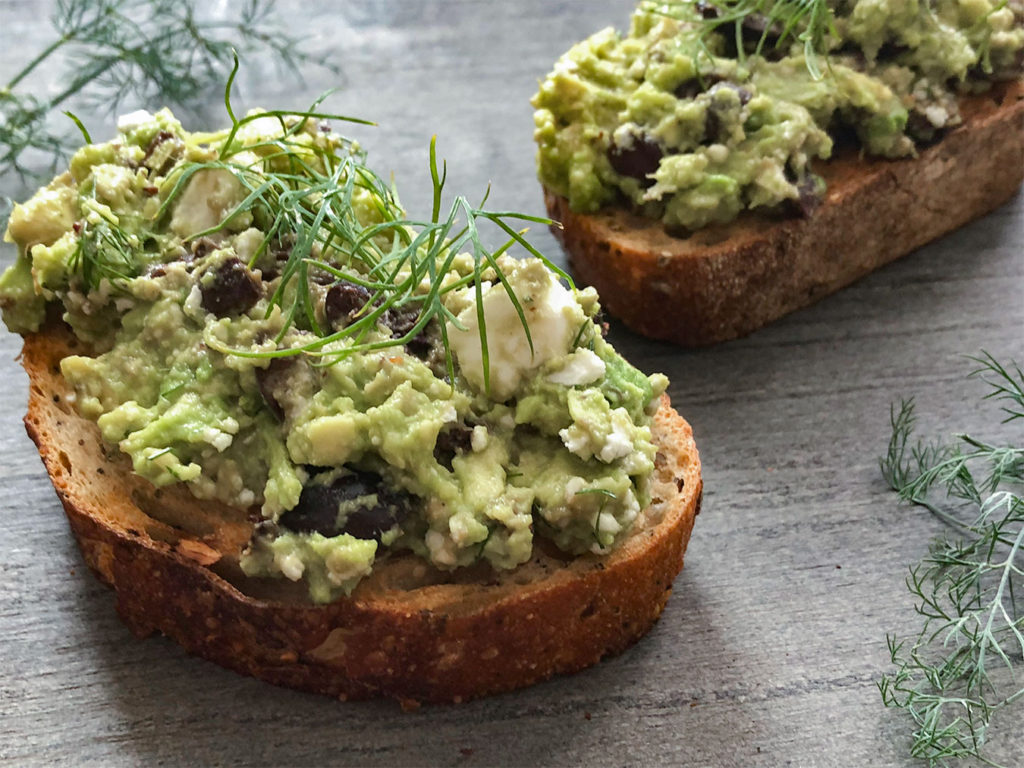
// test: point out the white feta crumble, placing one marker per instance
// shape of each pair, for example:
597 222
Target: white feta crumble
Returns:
194 302
619 442
606 523
717 153
247 243
442 549
460 528
573 486
552 314
624 137
575 440
936 115
478 438
290 565
218 439
582 367
131 121
207 200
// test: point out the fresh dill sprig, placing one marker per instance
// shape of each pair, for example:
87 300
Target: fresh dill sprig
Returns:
776 22
116 49
104 252
304 194
958 672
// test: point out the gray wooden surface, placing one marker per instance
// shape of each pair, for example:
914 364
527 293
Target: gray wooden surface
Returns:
774 639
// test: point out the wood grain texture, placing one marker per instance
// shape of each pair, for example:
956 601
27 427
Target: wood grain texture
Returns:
767 653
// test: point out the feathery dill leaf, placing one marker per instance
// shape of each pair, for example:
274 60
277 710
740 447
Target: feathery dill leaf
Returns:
957 673
776 23
119 49
304 196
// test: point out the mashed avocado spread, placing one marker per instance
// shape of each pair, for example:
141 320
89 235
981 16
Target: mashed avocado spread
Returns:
705 109
266 326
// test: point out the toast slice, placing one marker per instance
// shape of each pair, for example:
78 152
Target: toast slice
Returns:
725 281
408 631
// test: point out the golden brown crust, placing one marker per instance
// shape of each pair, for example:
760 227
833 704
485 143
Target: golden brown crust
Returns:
726 281
408 631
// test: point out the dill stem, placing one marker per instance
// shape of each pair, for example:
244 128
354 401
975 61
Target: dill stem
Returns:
99 68
77 84
43 55
944 516
1008 569
81 81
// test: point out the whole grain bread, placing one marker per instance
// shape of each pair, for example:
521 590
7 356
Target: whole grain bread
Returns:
409 631
725 281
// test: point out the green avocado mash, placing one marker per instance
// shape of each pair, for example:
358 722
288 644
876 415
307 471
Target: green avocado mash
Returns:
693 117
265 326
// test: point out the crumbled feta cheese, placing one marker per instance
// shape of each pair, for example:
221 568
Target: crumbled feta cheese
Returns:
717 153
207 200
442 549
218 439
573 486
936 115
619 442
247 243
606 523
478 438
582 367
551 311
131 121
575 440
290 565
194 303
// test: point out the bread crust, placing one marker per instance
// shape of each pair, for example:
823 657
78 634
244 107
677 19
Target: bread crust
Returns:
725 281
408 631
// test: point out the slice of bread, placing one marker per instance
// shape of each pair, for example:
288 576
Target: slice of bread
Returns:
408 631
722 282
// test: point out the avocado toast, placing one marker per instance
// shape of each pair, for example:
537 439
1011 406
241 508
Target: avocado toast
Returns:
317 442
741 160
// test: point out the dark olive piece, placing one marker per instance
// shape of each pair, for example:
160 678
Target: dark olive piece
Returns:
689 89
719 114
810 196
453 441
232 290
201 247
706 9
272 380
358 504
343 301
638 160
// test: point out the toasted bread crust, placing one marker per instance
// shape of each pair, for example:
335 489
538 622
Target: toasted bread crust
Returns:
726 281
408 631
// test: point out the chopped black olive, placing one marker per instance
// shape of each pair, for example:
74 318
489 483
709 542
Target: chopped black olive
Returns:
343 301
451 442
638 160
358 504
231 290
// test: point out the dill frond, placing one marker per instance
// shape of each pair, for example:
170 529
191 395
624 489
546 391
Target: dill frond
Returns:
958 672
304 194
780 22
115 50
